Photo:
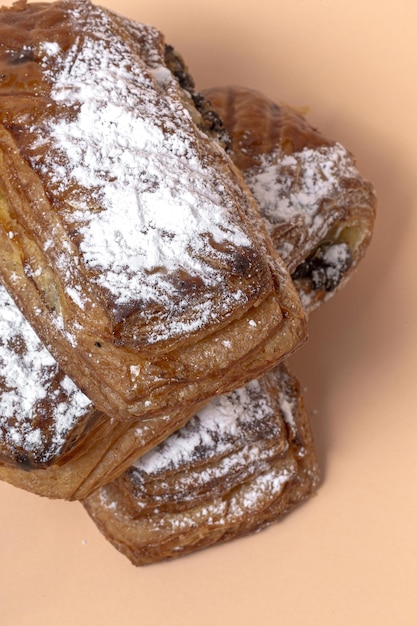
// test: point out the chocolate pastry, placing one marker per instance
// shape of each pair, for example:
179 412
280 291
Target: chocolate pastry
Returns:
316 205
225 473
129 240
247 457
240 463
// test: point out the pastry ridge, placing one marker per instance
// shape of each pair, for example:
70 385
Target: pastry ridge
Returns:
91 464
317 207
108 303
210 482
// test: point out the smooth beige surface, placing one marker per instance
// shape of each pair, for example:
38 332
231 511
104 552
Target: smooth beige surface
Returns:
349 556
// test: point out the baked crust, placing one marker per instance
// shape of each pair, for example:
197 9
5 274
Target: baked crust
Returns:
138 321
205 484
318 208
53 441
239 465
102 454
43 415
73 455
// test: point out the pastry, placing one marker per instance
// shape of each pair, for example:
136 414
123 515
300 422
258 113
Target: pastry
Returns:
80 459
241 463
80 454
53 441
226 473
43 415
128 238
47 423
316 205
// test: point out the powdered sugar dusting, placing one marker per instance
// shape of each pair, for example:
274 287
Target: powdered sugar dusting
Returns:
28 378
124 157
248 499
218 429
229 477
287 408
294 186
337 255
235 438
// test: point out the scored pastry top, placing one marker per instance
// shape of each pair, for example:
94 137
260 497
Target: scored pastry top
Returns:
129 240
221 442
144 209
316 205
241 463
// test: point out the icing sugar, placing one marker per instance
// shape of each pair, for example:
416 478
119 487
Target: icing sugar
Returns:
294 186
287 408
124 156
245 431
337 255
248 498
218 429
28 376
172 489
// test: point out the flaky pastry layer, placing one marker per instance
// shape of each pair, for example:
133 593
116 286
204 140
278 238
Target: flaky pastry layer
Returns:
274 127
102 455
240 464
317 207
128 238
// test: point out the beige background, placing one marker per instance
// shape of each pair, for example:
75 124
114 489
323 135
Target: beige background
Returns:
349 556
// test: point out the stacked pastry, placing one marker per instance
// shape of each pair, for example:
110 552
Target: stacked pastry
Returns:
130 241
160 251
228 472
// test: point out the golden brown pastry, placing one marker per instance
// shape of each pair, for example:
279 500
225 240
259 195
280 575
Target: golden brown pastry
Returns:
225 473
43 415
241 463
84 449
316 205
83 459
53 441
104 454
128 238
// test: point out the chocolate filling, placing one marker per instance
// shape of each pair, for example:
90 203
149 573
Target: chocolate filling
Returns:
326 266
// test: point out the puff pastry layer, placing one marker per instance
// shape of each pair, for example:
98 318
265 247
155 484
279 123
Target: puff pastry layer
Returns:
128 238
317 207
241 463
231 470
